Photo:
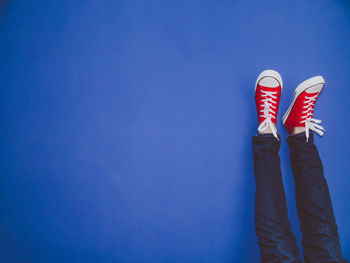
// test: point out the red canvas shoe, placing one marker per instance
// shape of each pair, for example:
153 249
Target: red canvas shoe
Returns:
300 112
268 89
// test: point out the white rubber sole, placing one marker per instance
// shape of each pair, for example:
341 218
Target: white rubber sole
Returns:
269 73
307 84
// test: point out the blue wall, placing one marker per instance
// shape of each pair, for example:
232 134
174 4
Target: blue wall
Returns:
126 125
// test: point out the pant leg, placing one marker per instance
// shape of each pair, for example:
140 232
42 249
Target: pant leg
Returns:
276 240
320 235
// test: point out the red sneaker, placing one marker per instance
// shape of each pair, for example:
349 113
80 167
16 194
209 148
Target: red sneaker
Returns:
268 89
300 112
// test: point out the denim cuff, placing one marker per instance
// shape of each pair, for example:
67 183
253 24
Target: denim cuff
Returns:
300 139
266 140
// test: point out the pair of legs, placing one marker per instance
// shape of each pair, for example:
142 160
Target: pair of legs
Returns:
320 235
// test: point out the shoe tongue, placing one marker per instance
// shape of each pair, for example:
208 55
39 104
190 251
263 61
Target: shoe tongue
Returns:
314 89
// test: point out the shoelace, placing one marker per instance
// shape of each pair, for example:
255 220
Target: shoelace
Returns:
267 111
311 123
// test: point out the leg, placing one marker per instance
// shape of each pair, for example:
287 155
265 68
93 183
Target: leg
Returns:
320 236
276 240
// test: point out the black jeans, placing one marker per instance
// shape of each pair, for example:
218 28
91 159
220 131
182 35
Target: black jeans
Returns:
320 235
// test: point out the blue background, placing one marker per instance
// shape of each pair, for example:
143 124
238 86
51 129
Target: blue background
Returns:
126 125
